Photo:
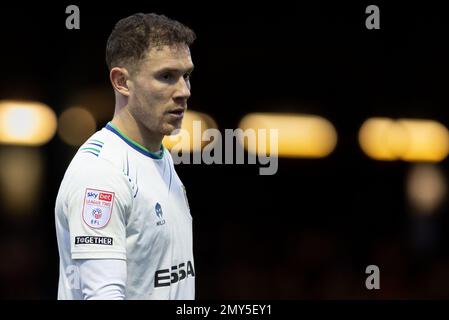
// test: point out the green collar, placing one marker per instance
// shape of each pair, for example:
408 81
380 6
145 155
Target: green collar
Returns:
135 145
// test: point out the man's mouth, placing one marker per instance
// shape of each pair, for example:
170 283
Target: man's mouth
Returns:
177 112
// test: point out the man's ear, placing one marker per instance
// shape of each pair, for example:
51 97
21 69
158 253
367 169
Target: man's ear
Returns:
119 78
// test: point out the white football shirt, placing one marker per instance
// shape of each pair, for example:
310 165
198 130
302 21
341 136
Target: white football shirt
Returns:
119 201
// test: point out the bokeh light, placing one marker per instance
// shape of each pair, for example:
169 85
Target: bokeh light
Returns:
426 187
26 123
414 140
303 136
20 179
75 125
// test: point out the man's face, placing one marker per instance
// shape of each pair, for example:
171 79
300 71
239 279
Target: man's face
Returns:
160 88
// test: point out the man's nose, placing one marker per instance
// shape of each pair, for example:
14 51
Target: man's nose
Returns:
182 90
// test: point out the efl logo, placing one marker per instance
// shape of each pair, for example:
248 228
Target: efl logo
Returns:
105 196
97 212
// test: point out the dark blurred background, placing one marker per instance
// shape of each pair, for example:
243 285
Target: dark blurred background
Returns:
310 230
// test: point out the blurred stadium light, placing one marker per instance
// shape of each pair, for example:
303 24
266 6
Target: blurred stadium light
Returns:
426 188
26 123
20 179
192 141
429 140
98 100
75 125
404 139
373 136
300 136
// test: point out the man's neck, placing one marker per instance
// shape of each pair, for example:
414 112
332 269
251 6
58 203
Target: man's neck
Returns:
137 132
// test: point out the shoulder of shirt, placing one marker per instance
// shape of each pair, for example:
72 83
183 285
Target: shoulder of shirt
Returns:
100 153
106 152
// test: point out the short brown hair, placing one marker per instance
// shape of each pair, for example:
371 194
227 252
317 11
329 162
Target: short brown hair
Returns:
133 36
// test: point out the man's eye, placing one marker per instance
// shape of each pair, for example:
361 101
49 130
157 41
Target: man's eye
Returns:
167 76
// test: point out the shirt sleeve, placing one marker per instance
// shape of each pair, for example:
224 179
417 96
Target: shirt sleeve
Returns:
98 205
102 279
